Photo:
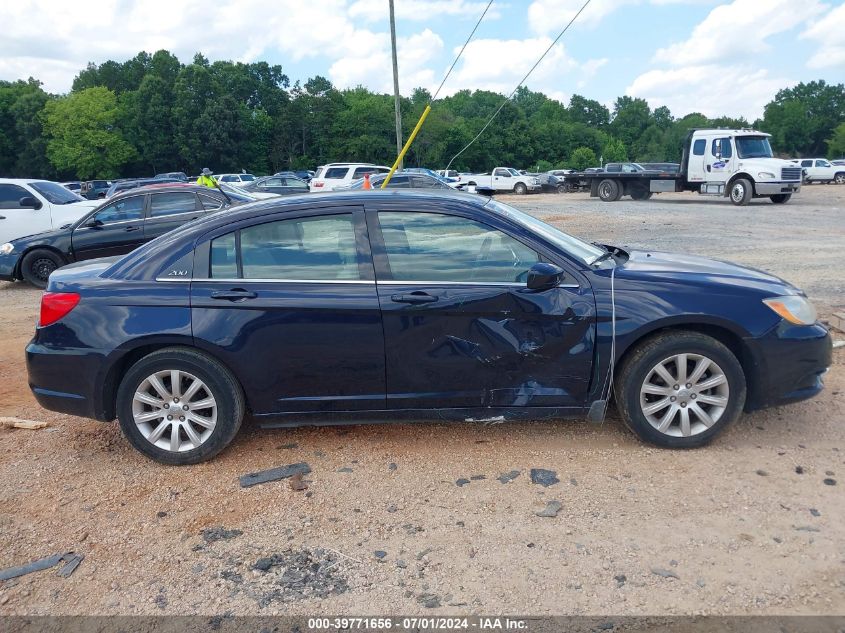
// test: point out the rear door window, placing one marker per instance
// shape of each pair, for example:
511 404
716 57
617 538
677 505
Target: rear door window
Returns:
336 173
698 147
319 248
210 203
360 171
162 204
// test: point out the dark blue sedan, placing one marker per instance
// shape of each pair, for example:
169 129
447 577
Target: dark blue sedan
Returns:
381 305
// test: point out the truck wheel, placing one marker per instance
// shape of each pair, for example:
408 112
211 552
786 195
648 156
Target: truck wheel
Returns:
839 178
520 189
640 193
781 198
609 190
37 266
741 192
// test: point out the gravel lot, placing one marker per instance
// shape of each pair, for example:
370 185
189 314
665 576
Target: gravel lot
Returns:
745 526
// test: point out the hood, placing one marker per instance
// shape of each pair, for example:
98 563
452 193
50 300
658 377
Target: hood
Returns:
694 269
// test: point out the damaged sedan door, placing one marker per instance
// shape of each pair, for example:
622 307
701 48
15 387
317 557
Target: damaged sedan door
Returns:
463 329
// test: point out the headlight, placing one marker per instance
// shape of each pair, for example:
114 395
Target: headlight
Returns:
7 248
795 309
765 174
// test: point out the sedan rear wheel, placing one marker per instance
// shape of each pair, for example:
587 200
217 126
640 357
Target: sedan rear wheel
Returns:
179 406
680 389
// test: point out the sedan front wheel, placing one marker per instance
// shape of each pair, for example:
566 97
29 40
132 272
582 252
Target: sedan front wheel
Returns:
680 389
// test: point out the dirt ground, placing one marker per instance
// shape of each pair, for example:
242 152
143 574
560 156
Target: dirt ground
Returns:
745 526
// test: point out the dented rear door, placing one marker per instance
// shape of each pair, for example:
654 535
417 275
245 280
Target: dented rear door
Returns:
461 328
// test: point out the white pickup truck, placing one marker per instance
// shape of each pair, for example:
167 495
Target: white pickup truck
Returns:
820 170
501 180
29 206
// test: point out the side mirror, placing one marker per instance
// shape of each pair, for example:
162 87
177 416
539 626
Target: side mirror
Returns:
28 202
94 223
543 276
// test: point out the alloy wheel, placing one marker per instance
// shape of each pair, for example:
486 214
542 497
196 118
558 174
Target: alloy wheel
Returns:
174 410
684 395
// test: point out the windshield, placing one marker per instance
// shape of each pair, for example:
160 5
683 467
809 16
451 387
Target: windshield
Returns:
514 172
753 147
55 193
571 245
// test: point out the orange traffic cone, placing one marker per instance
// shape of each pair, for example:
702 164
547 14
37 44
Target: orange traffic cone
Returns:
367 184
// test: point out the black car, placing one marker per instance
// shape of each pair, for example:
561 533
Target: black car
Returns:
281 185
114 228
402 180
397 305
134 183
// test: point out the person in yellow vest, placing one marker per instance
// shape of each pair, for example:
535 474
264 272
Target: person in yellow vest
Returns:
205 179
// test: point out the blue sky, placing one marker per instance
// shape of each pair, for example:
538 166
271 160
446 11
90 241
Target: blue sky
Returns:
691 55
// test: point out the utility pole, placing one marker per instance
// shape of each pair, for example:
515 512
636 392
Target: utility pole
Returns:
396 102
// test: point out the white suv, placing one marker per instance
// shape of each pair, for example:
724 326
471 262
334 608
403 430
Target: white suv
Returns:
333 175
29 206
235 179
820 170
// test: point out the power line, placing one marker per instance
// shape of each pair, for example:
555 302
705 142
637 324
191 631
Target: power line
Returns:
510 96
462 51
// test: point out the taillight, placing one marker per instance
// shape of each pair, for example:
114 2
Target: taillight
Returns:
56 305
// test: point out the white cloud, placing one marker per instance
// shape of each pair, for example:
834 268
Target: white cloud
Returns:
548 16
421 10
737 29
829 33
497 65
713 90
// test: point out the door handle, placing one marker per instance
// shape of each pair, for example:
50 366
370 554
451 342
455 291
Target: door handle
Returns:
414 297
131 228
235 294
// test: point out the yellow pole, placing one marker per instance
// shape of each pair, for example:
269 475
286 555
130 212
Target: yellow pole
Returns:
407 145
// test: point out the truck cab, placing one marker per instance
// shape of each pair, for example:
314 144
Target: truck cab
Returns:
738 164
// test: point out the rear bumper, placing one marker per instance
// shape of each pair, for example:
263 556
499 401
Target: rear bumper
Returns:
787 364
62 380
774 188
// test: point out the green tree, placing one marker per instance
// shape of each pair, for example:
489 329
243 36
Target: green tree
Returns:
82 135
802 117
836 143
582 158
614 151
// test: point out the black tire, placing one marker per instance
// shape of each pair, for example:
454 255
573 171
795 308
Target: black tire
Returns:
38 264
741 192
781 198
520 189
562 188
609 190
637 368
640 193
218 382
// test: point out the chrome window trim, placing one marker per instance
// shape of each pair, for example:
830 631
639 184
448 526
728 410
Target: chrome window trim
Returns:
236 280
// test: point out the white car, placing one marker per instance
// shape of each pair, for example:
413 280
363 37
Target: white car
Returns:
821 170
29 206
235 179
334 175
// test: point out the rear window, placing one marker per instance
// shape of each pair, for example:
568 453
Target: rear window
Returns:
698 147
337 173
